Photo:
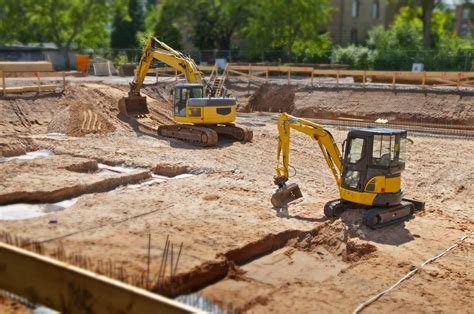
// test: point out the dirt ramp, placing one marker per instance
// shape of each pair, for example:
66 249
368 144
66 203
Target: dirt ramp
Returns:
272 98
80 120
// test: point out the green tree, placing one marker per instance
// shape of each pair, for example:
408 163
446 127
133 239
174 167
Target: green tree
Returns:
126 27
66 23
161 21
291 25
213 23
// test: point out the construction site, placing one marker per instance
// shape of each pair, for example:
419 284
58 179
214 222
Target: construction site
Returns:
145 196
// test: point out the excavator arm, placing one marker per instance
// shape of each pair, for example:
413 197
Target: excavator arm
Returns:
165 54
326 143
135 105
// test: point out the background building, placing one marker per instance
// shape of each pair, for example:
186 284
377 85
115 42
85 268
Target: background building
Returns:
353 19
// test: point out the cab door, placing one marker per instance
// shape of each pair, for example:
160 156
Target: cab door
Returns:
355 163
180 99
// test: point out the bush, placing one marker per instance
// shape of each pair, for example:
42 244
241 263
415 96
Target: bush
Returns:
354 56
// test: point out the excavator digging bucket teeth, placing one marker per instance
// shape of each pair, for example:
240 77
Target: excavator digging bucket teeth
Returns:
285 195
133 106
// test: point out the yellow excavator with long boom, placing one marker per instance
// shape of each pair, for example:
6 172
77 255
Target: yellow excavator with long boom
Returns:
200 116
367 173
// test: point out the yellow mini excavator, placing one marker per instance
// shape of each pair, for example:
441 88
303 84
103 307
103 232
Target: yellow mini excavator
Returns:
367 172
200 118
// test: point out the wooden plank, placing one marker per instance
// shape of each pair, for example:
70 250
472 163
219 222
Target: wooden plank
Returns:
69 289
37 66
208 68
25 89
32 74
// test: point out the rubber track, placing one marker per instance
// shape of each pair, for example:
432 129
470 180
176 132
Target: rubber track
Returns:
190 133
234 131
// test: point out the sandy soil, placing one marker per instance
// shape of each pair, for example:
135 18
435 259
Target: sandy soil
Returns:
237 250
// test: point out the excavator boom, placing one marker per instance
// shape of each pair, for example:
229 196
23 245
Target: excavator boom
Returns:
331 153
135 105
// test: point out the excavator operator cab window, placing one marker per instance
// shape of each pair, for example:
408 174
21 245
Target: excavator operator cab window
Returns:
180 97
195 92
389 150
356 150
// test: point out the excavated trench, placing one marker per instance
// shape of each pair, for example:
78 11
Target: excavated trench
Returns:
332 237
27 204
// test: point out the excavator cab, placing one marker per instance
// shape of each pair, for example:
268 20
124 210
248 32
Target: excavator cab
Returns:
182 93
373 159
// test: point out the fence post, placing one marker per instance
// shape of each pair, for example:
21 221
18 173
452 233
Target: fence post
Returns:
337 77
289 75
39 81
3 83
266 74
156 74
312 76
64 81
423 81
363 78
393 79
176 75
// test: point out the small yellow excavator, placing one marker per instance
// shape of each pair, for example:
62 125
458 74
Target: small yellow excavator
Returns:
200 118
367 172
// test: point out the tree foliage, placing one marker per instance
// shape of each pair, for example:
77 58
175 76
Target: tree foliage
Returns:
213 23
292 25
66 23
126 26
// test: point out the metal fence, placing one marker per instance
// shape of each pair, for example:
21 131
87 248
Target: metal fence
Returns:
396 60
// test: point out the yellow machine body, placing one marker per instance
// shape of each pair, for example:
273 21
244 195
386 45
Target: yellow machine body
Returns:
375 185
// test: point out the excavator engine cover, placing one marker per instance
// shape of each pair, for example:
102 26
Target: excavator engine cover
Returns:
133 106
286 194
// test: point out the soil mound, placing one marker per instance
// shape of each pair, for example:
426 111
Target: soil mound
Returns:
85 108
273 98
80 120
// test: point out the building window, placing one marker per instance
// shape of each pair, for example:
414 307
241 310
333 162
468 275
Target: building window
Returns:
355 8
354 39
465 14
375 9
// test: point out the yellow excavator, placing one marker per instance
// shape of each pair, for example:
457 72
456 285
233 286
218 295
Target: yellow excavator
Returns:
367 173
200 116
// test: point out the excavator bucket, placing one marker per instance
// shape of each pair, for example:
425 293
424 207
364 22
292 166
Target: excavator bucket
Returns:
285 195
133 106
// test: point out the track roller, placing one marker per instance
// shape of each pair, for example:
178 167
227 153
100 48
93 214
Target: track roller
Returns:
376 218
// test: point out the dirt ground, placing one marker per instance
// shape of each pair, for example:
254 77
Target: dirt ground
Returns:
324 103
236 249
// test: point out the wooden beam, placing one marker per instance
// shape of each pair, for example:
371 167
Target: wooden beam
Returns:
37 66
24 89
69 289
